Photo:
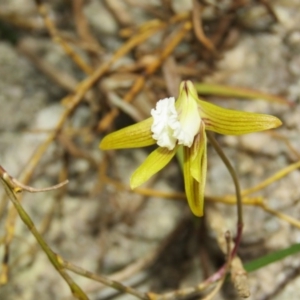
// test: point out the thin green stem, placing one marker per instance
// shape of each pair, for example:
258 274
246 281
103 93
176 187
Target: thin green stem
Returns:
237 189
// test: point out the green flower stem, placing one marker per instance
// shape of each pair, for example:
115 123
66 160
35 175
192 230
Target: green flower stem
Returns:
237 190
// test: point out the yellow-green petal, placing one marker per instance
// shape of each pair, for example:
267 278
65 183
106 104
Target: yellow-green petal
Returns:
199 156
134 136
157 160
233 122
195 165
188 115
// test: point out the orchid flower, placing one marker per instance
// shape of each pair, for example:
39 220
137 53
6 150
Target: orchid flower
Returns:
184 122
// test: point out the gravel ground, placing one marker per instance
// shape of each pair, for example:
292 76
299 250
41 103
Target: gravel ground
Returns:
105 231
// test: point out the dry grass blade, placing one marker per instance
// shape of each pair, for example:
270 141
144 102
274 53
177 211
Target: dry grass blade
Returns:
278 175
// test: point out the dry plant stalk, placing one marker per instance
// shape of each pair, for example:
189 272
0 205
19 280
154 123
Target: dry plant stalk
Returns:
238 274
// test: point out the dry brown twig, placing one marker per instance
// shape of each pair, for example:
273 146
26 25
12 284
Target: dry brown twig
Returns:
227 239
238 273
83 28
270 9
29 47
228 200
19 21
198 28
122 16
56 36
140 81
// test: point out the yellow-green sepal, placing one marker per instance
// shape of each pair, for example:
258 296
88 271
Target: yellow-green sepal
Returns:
199 156
157 160
134 136
233 122
194 171
187 93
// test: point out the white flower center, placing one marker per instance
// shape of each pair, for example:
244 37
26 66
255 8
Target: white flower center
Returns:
164 115
168 127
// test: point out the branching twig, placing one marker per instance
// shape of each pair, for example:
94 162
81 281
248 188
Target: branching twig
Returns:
9 186
18 186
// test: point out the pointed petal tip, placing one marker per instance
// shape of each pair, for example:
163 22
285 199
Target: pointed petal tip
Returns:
195 190
270 122
196 204
277 122
103 145
197 212
134 183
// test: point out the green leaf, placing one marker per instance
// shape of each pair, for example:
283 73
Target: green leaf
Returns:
271 258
